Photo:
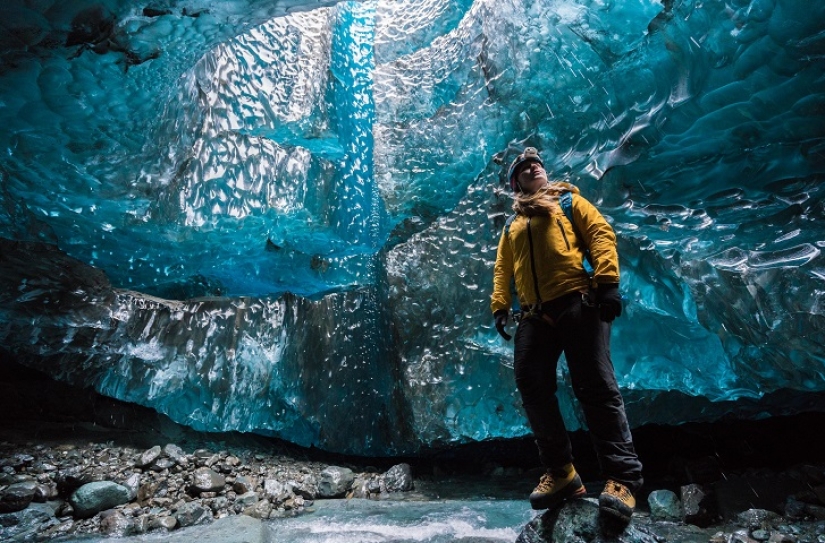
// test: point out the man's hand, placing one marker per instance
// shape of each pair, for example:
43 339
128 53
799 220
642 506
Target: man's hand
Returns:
609 301
501 317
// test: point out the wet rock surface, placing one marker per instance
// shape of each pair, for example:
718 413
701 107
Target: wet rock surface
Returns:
579 522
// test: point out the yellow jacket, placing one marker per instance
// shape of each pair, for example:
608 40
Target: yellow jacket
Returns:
557 253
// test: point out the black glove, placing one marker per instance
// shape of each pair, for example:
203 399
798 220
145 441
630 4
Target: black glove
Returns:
609 301
501 317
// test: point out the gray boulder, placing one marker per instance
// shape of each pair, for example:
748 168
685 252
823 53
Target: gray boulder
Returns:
276 491
399 478
193 513
132 483
335 481
17 496
664 505
148 457
578 521
699 505
117 524
206 480
242 485
92 498
175 453
247 499
259 510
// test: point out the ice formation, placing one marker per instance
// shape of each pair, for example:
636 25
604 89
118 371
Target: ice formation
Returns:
281 217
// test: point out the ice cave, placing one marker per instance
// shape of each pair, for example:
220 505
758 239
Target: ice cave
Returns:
280 217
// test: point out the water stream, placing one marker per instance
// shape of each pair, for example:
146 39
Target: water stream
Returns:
350 521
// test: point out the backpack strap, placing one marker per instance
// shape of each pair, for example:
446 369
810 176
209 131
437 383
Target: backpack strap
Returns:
566 202
507 224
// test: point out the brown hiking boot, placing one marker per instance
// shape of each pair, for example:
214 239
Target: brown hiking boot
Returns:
616 500
555 486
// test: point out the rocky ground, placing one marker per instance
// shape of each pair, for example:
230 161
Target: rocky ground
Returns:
74 463
68 487
48 491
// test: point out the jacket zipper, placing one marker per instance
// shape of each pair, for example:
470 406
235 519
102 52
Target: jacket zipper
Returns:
533 262
563 233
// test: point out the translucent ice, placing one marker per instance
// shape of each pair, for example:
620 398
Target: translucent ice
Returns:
285 213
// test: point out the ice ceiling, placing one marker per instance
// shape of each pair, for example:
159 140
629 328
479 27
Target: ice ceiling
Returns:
281 217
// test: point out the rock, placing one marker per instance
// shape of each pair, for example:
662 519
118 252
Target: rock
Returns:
22 525
206 480
698 506
578 521
218 504
132 483
70 479
242 485
362 487
17 461
335 481
794 509
664 505
247 499
148 457
260 510
741 536
398 478
307 489
117 524
276 491
91 498
201 456
193 513
162 463
175 453
782 538
17 496
754 519
233 461
146 492
65 509
165 523
44 492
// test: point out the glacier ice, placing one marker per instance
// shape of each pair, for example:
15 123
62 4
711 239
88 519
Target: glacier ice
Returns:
280 217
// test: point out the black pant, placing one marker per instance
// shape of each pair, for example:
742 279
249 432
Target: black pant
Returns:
585 340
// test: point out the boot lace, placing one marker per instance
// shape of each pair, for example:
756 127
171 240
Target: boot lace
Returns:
618 490
546 483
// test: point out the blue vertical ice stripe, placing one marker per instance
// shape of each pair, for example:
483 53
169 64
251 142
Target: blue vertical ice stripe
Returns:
359 209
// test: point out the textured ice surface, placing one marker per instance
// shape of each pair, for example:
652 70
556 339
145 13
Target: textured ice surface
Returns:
292 208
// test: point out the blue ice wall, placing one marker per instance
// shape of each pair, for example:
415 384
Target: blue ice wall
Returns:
281 217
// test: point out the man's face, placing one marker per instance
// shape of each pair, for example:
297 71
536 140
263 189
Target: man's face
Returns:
530 176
